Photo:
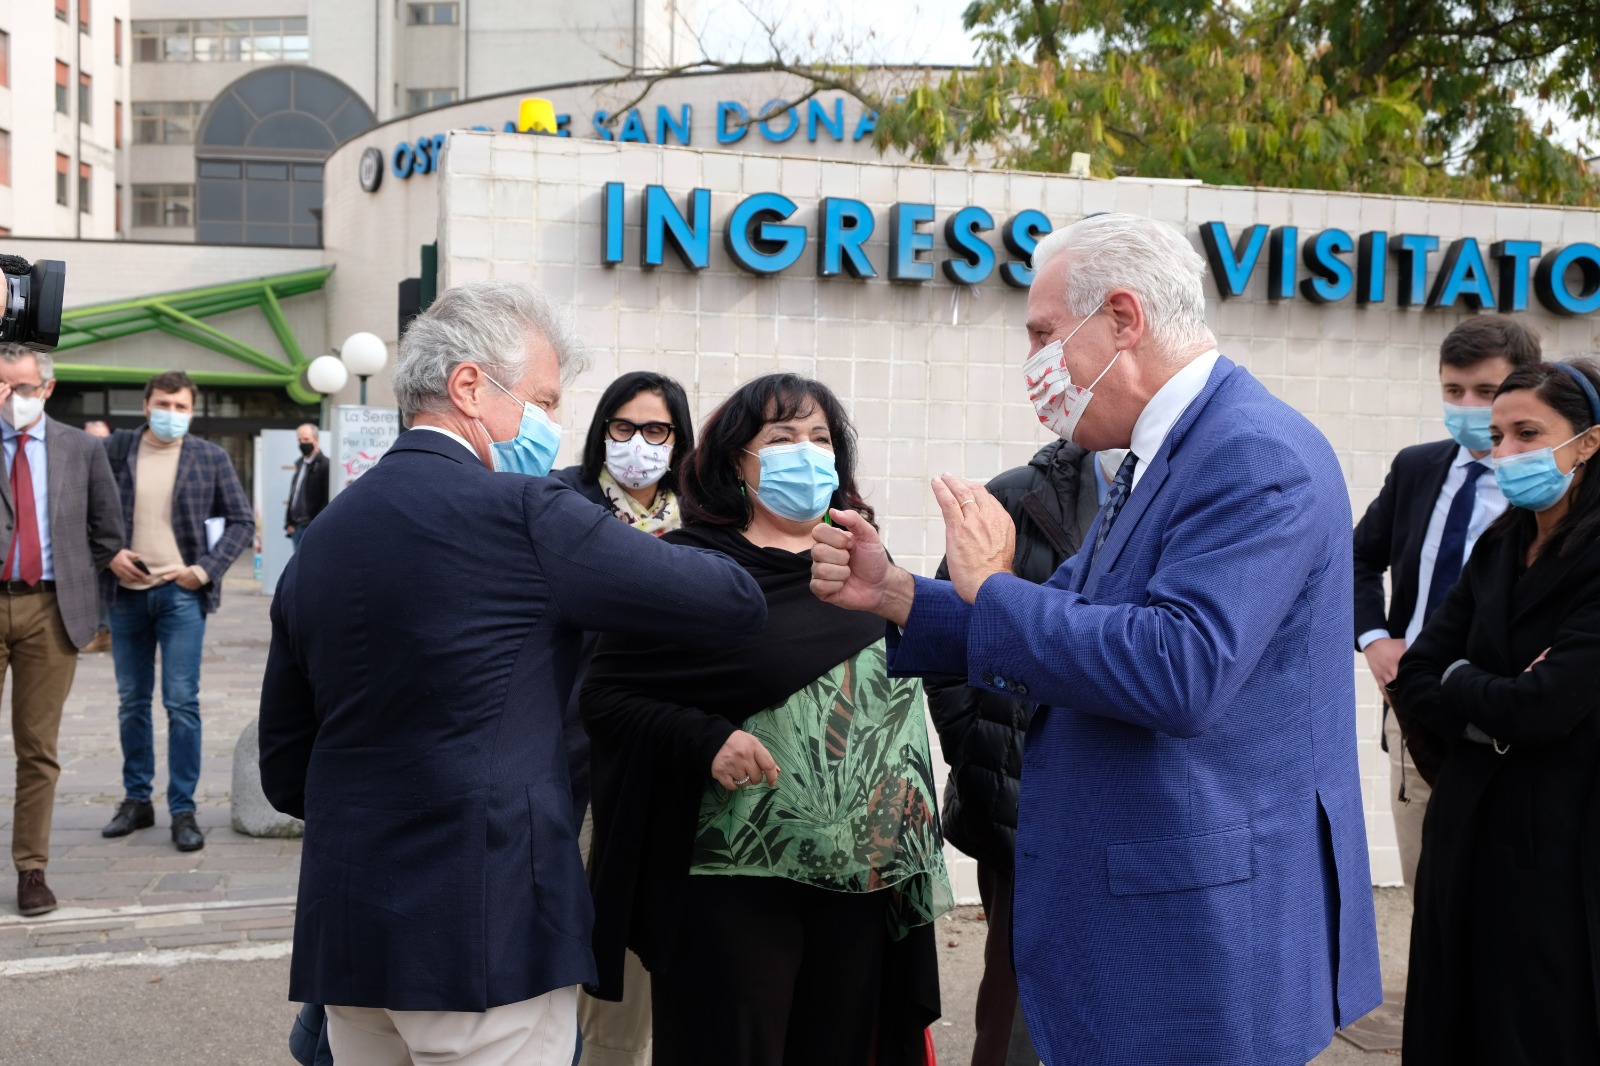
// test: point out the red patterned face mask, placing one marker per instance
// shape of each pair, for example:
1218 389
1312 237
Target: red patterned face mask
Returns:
1056 400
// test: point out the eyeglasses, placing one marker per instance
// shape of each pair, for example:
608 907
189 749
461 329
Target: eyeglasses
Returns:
27 392
621 430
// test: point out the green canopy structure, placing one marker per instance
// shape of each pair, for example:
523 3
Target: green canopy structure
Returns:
181 315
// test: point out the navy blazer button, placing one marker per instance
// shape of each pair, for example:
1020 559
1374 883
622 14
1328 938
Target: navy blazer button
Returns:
999 682
988 679
1020 689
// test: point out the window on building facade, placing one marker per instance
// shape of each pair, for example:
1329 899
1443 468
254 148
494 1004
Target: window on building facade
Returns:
85 99
116 129
83 15
117 214
422 99
263 40
85 191
5 157
447 14
63 74
166 121
116 41
5 59
61 179
163 206
259 154
61 10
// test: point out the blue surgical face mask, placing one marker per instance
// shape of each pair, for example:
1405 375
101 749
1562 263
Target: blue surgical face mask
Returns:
533 450
797 480
169 425
1469 426
1533 480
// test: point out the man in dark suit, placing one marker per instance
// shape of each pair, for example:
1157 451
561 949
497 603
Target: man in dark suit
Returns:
60 524
1434 504
1192 884
177 490
308 492
424 641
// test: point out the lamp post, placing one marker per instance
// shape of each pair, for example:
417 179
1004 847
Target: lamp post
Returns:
327 374
364 354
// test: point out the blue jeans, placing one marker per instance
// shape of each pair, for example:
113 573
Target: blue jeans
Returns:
166 617
294 538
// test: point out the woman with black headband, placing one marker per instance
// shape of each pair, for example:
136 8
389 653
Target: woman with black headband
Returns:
1505 942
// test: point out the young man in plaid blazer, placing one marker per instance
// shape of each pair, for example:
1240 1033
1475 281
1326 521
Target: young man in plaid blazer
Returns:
169 579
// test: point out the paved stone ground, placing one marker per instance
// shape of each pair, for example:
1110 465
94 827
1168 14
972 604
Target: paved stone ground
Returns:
139 893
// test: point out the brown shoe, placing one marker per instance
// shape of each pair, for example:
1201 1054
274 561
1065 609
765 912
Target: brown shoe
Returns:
33 895
101 642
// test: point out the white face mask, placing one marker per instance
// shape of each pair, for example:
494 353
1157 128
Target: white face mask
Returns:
1056 400
637 464
22 411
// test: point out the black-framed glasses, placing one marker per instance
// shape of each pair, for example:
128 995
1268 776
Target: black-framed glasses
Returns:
622 431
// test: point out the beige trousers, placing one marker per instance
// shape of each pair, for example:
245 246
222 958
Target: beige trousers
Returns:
1408 814
615 1034
43 660
542 1031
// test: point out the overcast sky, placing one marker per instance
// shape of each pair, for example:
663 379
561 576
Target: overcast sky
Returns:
884 31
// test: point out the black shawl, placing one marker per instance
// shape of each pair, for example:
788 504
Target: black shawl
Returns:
657 714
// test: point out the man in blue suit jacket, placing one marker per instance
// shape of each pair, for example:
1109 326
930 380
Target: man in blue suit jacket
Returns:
1192 882
423 646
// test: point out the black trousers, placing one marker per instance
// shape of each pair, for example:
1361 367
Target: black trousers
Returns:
1002 1034
769 972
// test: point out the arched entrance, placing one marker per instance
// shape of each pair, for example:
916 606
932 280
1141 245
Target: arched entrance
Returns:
259 154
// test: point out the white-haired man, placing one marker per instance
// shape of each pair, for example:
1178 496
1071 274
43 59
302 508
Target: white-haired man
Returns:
1192 882
424 639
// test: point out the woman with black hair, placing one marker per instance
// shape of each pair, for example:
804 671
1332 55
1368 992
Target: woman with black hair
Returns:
1505 942
766 830
639 430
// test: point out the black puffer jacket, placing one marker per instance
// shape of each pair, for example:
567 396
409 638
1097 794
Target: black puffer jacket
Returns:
981 732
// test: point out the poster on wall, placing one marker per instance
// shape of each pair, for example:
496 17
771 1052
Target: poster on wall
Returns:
361 436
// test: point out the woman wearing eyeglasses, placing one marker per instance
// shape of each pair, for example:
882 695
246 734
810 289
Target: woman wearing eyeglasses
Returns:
766 830
1505 944
629 457
640 430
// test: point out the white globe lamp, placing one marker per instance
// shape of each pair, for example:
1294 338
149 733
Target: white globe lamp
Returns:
327 374
364 354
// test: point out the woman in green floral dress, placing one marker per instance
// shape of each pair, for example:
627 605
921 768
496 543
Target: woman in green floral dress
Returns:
766 829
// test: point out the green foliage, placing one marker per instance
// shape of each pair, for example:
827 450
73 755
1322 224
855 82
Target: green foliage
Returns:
1410 97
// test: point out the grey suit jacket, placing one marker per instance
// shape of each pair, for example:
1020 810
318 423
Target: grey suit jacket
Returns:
85 523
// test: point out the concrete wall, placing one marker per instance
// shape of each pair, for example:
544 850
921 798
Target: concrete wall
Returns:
931 371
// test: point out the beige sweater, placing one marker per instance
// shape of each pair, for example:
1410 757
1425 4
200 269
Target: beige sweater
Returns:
155 476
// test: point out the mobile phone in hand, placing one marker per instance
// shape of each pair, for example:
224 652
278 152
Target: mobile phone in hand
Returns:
143 569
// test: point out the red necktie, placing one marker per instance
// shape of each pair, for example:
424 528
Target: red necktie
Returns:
27 560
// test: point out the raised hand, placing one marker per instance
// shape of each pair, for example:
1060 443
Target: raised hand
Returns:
850 569
979 537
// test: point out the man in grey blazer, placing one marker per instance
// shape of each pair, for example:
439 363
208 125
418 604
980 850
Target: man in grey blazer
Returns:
60 524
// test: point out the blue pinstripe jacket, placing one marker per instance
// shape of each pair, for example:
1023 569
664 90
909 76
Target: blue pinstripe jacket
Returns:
206 487
1192 883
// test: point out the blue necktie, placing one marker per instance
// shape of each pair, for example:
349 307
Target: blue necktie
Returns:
1453 544
1121 485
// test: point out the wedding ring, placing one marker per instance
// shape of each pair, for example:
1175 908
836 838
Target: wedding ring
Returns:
745 780
966 502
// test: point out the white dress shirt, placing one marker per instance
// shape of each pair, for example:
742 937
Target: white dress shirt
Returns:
1165 408
1488 505
458 438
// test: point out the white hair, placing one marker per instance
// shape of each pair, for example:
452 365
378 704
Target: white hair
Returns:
1150 259
485 323
13 353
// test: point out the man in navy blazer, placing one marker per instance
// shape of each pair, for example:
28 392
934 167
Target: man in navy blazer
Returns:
423 646
1192 882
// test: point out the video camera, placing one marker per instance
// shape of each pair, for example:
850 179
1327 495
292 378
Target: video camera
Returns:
31 316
